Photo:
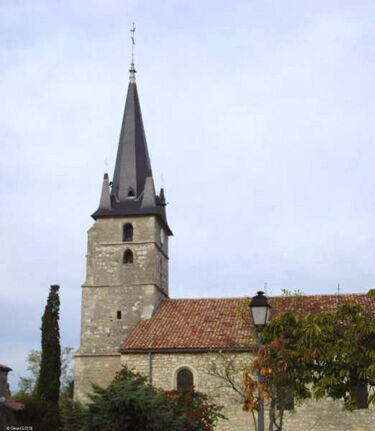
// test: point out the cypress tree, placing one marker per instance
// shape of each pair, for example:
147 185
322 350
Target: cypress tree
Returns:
48 385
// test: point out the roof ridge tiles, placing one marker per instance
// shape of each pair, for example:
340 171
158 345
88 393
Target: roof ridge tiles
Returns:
193 323
274 296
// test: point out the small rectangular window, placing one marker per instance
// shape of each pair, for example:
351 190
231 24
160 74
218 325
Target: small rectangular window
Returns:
119 314
285 400
360 395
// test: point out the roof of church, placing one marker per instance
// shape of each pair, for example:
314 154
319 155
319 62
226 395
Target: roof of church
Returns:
132 191
5 368
216 323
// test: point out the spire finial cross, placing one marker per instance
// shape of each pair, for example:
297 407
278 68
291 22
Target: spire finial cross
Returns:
132 68
132 31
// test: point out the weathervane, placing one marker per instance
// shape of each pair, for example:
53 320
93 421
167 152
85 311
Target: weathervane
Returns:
132 68
132 31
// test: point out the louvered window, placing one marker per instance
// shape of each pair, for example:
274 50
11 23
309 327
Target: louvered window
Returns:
127 234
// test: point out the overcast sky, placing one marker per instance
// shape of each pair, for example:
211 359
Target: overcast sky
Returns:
259 117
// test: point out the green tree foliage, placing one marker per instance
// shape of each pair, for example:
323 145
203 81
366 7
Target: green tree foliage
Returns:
283 368
68 391
26 385
45 400
331 351
73 415
37 413
129 403
285 365
48 384
66 377
343 344
327 354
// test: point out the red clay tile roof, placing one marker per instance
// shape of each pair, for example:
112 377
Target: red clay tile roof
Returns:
5 368
216 323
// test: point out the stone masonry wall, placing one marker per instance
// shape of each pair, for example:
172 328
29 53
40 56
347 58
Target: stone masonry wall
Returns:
93 369
106 248
165 368
326 415
116 296
101 330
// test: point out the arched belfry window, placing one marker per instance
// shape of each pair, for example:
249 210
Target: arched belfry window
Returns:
127 234
131 193
128 256
185 379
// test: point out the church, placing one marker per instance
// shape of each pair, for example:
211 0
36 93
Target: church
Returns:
128 317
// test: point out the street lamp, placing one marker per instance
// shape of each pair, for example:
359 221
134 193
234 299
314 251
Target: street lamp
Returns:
260 310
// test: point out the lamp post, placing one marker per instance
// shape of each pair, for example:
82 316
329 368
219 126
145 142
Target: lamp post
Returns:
260 310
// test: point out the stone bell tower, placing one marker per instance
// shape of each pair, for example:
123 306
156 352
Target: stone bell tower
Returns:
127 255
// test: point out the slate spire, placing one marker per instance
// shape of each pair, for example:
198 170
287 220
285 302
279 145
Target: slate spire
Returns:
132 189
132 162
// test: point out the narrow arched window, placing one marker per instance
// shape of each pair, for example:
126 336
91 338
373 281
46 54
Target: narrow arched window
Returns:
185 379
131 193
127 233
128 256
